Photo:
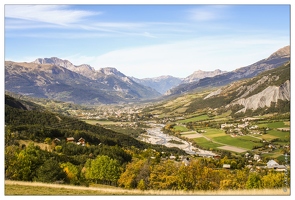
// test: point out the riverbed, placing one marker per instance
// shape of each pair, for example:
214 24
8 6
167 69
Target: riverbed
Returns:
155 135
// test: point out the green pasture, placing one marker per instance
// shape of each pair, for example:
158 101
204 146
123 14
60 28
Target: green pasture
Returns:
279 134
237 141
180 128
246 137
203 142
277 154
188 133
212 133
194 119
273 125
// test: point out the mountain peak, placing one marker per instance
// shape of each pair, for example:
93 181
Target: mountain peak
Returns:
199 74
281 53
84 69
110 71
53 60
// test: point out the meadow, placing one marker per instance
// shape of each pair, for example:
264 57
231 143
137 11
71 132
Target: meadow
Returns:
35 188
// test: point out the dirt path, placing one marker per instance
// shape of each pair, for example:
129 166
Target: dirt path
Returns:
119 191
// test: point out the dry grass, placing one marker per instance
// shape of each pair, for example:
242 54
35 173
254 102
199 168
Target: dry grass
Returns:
36 188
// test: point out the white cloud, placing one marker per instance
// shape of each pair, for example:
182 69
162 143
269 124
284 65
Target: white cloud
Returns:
54 14
181 59
208 13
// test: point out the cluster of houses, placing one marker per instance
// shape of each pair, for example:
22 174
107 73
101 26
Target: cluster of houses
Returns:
81 141
237 128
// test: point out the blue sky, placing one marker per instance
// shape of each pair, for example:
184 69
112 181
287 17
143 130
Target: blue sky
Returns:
147 40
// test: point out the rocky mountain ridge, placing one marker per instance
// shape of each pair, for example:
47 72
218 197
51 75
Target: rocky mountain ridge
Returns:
275 60
258 92
266 97
197 75
50 80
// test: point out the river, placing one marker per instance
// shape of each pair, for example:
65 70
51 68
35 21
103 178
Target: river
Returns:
155 135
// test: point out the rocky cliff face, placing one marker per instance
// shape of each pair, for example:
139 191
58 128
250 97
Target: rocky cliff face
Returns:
259 91
266 97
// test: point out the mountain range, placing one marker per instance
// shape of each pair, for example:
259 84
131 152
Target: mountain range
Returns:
61 80
274 60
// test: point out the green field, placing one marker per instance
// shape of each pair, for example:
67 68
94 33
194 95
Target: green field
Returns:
273 134
279 134
273 125
194 119
203 142
237 141
188 133
180 128
212 133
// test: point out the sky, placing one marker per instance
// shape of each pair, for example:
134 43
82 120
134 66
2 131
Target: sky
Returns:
147 41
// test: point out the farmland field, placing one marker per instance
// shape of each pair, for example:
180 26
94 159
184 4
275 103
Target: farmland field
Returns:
273 125
203 142
194 119
212 133
236 141
180 128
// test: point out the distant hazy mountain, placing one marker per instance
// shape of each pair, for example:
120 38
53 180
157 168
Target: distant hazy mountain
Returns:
197 75
61 80
161 84
274 60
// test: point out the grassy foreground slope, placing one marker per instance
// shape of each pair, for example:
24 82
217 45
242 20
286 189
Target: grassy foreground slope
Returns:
36 188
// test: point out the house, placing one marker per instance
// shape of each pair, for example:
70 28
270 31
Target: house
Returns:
172 157
256 157
70 139
56 140
81 141
226 166
274 165
222 126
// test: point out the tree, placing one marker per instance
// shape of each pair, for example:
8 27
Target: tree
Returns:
11 155
26 163
103 169
141 185
130 178
47 140
273 180
164 176
50 172
72 172
254 181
